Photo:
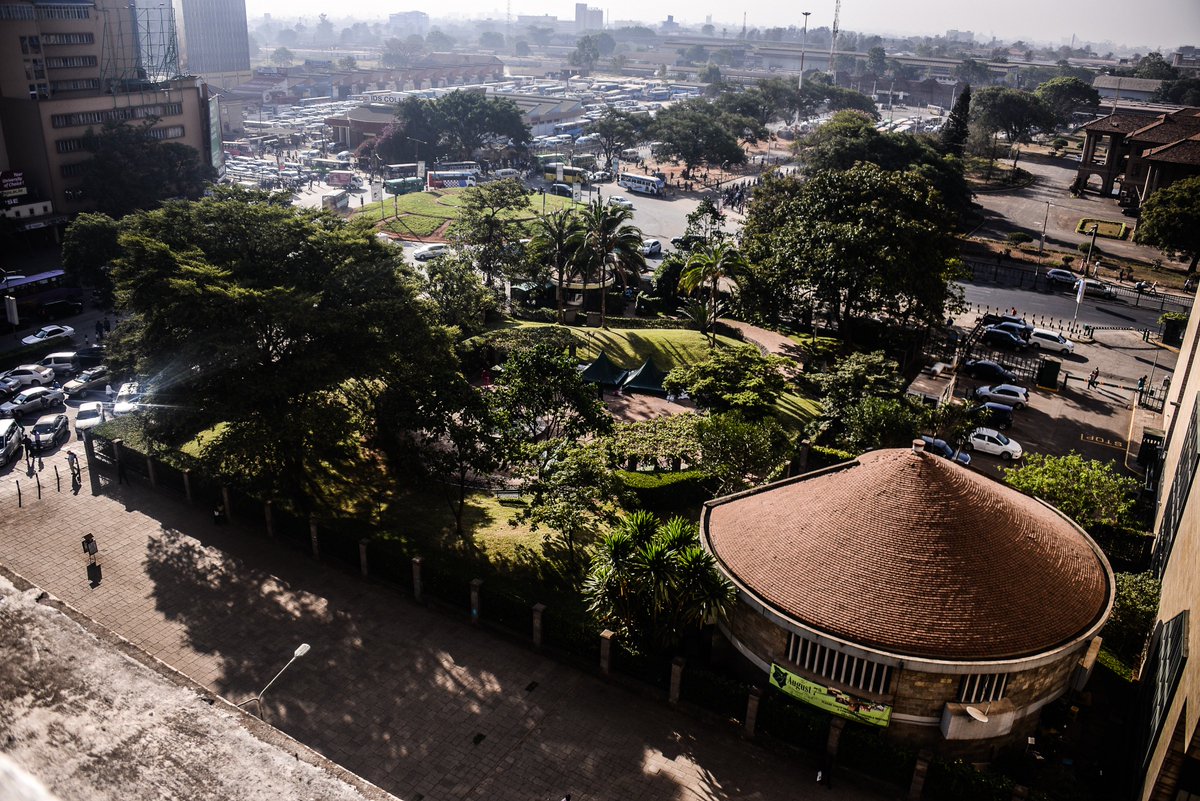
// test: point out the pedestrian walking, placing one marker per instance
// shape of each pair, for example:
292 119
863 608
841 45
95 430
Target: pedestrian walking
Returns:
107 325
90 547
110 393
73 464
1094 379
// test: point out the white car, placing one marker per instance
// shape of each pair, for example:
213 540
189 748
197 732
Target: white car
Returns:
28 374
1008 394
48 333
620 202
651 247
427 252
32 400
127 400
1049 340
991 441
91 414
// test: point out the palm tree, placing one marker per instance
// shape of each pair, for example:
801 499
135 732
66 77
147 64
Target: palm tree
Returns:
552 243
653 583
708 265
608 244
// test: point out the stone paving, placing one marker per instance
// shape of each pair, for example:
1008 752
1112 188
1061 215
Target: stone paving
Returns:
418 702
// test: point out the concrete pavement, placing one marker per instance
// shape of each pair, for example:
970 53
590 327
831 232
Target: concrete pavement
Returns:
420 703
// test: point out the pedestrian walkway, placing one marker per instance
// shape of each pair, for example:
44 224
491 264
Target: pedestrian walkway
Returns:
420 703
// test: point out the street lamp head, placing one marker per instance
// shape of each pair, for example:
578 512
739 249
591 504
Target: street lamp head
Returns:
301 651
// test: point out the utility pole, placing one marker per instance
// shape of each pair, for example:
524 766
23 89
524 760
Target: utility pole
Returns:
803 47
837 13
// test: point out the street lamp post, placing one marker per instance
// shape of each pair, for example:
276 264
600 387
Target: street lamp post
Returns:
1091 246
803 47
299 652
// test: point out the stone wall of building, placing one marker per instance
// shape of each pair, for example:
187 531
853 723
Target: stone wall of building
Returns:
764 638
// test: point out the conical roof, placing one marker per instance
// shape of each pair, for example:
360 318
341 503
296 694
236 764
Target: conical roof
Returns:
911 554
603 371
647 378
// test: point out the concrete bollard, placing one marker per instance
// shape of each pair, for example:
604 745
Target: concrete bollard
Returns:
116 446
362 556
151 471
538 611
89 455
416 567
476 584
187 487
676 679
313 532
752 702
836 725
269 517
917 785
606 638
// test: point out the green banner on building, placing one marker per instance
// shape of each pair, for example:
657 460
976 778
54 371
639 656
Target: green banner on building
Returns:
830 699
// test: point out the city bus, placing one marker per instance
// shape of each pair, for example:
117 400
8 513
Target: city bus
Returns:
645 184
572 129
550 158
587 161
400 170
323 166
459 166
570 175
448 179
402 186
33 291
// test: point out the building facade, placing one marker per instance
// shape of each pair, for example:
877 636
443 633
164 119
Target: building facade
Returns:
901 590
213 38
67 68
1168 752
1142 149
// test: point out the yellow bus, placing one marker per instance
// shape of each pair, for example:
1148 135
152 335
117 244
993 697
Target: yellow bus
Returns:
570 175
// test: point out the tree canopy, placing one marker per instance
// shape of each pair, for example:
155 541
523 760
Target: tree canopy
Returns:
1171 219
456 124
616 130
1016 114
130 169
487 225
696 132
731 379
1064 96
1085 490
956 130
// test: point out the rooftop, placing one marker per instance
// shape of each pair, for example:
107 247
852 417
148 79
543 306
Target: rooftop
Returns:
1126 84
913 555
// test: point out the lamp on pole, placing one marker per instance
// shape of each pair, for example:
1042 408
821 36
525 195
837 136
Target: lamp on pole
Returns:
803 47
299 652
1091 246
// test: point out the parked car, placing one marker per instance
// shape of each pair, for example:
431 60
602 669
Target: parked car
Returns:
687 242
996 415
943 448
30 375
989 370
1019 330
91 414
91 356
998 337
92 378
620 202
57 309
427 252
651 247
600 177
48 432
1097 289
33 399
11 437
48 333
1008 394
1060 279
996 319
128 398
991 441
63 364
8 388
1049 340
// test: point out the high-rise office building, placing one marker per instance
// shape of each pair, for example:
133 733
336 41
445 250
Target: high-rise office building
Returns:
67 68
213 38
588 19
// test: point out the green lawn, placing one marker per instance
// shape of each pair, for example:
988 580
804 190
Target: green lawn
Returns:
795 411
1106 228
427 518
630 347
422 213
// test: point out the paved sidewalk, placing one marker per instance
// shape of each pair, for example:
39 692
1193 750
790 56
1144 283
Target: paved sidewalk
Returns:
420 703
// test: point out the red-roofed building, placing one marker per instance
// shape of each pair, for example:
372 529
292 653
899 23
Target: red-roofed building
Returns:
1118 149
903 590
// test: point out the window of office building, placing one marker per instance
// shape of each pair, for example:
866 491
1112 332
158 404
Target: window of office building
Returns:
30 44
170 132
16 11
73 170
68 145
68 62
78 85
1160 678
68 39
851 671
1181 489
63 12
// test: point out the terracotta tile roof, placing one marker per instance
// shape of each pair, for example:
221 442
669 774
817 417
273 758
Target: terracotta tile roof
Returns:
1118 122
1168 128
1184 151
914 555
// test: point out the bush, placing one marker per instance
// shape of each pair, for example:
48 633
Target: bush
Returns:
821 456
1067 261
1019 238
1083 248
1133 615
665 491
493 347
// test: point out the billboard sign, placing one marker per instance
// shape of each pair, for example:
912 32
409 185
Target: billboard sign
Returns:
832 700
12 187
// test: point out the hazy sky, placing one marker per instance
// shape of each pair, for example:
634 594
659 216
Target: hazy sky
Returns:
1159 23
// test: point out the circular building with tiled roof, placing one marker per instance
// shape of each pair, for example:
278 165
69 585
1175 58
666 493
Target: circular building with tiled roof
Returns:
902 589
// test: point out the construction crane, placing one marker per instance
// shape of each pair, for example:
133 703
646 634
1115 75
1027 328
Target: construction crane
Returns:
837 13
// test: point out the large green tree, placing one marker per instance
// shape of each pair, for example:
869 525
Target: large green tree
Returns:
616 130
1171 219
1064 96
585 55
89 249
1184 92
731 379
130 169
608 246
458 124
705 269
956 130
696 132
654 584
552 246
861 242
737 452
487 226
1016 114
460 299
1085 490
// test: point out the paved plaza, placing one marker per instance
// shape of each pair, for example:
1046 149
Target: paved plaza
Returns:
419 702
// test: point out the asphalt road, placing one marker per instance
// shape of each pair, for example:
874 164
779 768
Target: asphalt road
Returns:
1061 305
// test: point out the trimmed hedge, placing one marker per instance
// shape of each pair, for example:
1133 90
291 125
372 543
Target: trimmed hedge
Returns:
654 491
821 456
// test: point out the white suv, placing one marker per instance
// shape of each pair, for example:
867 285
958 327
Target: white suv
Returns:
1050 340
991 441
127 400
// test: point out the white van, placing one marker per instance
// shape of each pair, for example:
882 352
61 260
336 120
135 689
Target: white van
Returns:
11 437
507 172
64 364
629 154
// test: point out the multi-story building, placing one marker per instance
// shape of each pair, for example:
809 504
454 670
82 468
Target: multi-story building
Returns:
67 68
1168 750
407 23
213 39
588 19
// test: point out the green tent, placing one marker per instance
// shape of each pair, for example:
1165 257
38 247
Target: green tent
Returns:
647 378
604 372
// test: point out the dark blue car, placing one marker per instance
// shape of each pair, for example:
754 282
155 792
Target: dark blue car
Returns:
942 448
988 370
